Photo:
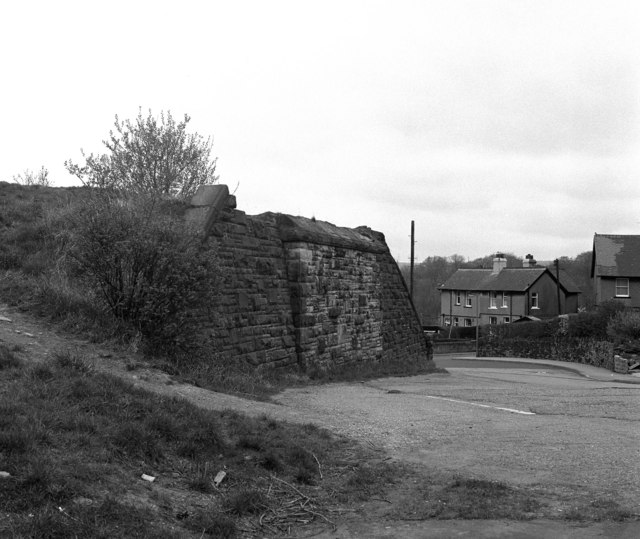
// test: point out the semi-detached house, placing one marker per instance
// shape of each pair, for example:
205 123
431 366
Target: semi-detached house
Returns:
502 295
615 269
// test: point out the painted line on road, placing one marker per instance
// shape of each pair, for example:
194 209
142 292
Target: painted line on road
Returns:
512 410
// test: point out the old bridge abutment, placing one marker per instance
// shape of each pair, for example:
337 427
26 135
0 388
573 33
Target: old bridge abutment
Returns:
304 294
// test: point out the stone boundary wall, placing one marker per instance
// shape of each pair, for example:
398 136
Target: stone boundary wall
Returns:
301 294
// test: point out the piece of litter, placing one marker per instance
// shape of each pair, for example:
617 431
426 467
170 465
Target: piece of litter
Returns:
219 478
149 478
28 334
4 475
4 319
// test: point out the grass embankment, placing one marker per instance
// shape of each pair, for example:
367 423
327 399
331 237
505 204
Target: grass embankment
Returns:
76 444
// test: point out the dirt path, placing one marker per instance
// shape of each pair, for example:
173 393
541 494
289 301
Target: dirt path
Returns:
572 435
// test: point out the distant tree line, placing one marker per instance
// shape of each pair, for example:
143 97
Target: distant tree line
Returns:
433 271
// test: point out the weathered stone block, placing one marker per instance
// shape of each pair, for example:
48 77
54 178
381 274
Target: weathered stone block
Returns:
210 195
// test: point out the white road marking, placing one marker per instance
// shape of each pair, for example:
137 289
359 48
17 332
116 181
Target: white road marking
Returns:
512 410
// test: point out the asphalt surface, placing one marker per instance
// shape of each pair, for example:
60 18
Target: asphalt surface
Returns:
456 361
571 431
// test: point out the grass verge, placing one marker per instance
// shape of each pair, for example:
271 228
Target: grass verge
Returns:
76 444
444 497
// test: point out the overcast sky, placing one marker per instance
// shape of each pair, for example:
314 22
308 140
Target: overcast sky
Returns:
494 125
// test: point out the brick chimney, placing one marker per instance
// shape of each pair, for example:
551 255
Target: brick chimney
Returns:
529 262
499 263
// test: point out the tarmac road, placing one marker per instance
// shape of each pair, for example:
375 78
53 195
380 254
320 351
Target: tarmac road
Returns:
531 426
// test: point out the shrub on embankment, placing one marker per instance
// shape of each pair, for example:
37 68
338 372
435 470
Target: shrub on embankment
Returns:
106 264
590 337
117 257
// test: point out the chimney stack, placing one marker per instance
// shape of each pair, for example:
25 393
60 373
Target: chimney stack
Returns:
499 263
529 262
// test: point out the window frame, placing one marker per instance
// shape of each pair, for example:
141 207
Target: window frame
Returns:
456 321
506 320
468 323
505 300
625 287
493 300
467 299
493 320
535 300
458 295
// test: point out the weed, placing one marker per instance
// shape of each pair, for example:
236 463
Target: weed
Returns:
163 423
213 524
8 359
272 461
41 372
137 442
201 442
246 502
366 479
67 360
600 509
16 440
305 464
250 441
201 478
469 498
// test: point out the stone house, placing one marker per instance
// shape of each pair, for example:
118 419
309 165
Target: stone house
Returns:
615 268
502 295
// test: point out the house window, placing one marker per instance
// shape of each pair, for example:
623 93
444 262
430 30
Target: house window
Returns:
535 300
468 297
493 300
467 322
622 288
447 321
505 300
493 320
456 321
506 320
458 297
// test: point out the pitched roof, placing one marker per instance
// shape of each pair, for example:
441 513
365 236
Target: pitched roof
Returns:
507 280
616 255
568 283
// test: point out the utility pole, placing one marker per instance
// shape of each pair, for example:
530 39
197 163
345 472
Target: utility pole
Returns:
412 253
557 264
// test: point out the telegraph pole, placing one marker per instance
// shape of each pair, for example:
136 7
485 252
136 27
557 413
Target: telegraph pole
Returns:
412 256
557 264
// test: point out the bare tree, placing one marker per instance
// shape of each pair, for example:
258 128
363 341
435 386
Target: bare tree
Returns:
150 156
28 177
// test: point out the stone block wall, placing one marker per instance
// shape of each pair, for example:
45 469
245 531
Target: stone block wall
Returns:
253 319
304 294
336 305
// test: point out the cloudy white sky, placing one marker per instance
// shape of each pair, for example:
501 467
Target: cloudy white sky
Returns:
494 125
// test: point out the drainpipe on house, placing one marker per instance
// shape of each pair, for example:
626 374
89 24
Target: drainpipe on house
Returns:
450 312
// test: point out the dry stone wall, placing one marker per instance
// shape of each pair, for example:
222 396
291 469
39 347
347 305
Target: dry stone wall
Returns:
304 294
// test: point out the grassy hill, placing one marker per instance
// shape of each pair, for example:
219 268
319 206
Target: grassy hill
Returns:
75 444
